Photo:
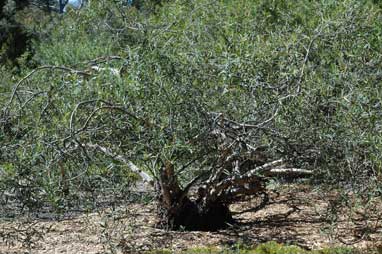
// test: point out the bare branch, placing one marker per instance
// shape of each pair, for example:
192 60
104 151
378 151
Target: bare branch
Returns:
288 172
45 67
242 179
145 177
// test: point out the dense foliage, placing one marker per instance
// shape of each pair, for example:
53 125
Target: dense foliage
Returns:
151 84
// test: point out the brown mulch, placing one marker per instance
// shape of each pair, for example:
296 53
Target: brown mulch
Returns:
296 215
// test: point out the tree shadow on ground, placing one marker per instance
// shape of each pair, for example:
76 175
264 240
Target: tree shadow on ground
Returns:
295 218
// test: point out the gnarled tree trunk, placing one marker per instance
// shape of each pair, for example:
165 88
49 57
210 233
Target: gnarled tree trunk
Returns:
178 211
240 172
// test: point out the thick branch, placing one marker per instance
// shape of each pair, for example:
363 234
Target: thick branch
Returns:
288 172
268 169
245 178
145 177
169 187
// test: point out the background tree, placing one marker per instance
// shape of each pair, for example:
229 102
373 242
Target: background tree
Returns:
16 32
13 37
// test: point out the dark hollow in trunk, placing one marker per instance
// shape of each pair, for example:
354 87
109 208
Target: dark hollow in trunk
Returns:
191 216
194 217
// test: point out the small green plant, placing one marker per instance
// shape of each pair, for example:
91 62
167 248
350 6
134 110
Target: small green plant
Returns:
264 248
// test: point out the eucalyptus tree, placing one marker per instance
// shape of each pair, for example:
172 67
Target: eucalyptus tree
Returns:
210 100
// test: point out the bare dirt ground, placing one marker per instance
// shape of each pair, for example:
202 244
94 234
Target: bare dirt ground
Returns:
296 215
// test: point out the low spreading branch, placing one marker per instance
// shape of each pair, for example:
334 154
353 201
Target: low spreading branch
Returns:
270 169
288 172
135 169
244 178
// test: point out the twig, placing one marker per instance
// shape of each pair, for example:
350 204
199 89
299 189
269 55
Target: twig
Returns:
45 67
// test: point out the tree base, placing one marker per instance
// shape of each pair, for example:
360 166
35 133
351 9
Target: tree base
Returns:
192 217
